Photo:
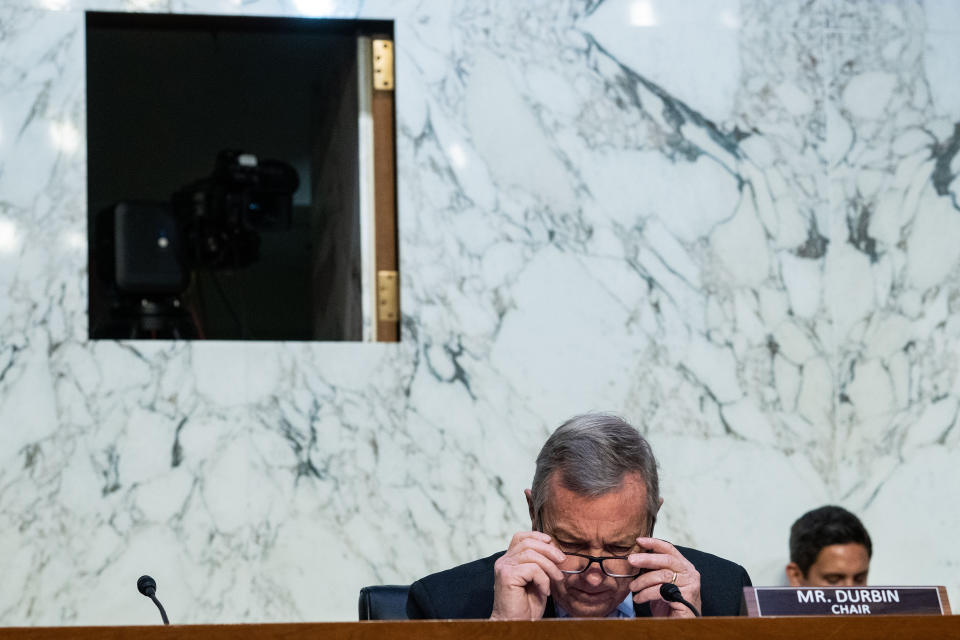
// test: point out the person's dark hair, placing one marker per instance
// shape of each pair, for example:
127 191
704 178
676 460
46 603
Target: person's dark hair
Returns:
592 453
823 527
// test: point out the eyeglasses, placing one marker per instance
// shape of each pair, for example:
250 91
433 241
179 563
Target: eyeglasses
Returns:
613 566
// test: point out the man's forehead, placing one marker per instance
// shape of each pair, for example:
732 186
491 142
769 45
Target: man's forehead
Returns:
619 513
850 555
631 487
622 531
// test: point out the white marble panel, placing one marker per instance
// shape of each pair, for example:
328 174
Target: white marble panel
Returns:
732 224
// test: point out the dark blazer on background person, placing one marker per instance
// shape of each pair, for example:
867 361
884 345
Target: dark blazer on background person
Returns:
466 592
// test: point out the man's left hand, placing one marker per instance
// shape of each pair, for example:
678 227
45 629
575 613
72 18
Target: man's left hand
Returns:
664 564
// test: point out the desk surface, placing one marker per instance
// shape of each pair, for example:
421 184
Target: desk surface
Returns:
841 628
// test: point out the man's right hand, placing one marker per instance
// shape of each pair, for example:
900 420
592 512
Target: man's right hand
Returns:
522 575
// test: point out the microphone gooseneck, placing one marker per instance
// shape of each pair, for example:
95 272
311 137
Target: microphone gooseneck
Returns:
148 587
671 592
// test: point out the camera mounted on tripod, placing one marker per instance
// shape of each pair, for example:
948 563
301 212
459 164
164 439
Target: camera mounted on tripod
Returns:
145 252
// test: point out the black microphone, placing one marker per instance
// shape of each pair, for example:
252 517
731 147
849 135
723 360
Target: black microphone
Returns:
671 592
148 587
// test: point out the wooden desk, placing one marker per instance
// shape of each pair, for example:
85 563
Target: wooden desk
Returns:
839 628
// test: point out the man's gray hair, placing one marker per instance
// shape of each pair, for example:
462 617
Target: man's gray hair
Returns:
592 453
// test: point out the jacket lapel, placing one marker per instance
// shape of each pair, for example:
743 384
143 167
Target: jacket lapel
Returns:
550 611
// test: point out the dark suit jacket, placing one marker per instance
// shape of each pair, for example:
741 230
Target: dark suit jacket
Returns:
466 591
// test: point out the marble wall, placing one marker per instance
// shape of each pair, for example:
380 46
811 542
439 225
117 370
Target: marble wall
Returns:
734 223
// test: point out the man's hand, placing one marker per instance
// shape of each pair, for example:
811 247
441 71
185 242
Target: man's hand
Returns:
522 576
664 564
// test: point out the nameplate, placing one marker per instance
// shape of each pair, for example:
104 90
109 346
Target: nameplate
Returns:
845 601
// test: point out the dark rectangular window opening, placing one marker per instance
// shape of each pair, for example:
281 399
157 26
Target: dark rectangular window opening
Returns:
223 177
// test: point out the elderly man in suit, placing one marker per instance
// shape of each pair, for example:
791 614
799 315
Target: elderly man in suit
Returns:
590 550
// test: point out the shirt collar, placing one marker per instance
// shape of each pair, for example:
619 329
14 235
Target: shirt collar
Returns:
624 609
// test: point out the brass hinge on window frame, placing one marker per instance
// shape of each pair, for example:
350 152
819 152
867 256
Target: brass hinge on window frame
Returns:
383 65
388 296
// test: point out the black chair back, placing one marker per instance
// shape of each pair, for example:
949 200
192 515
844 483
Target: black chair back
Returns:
384 602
